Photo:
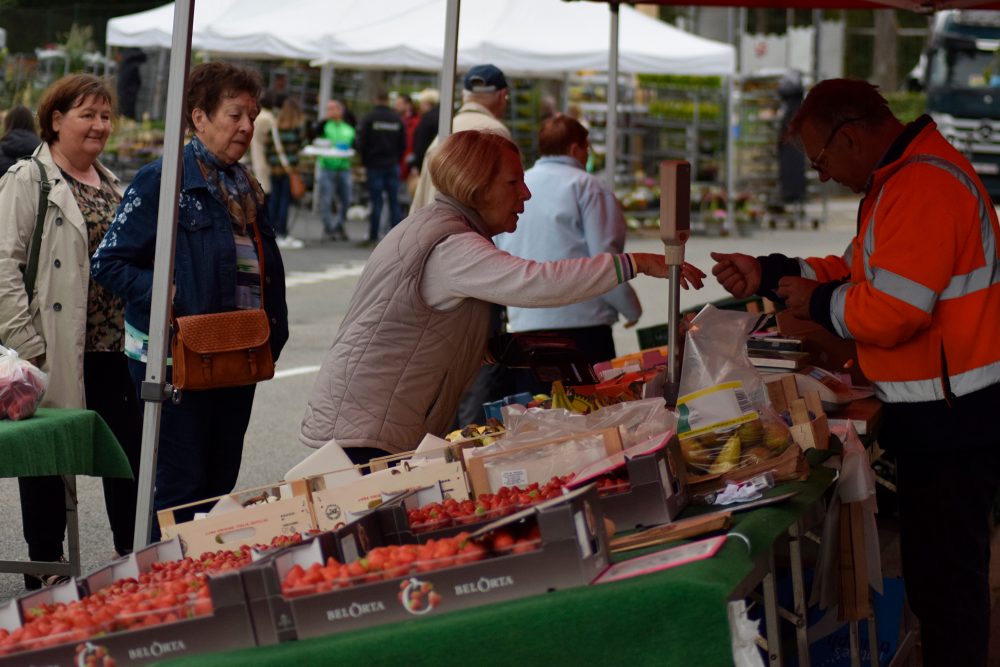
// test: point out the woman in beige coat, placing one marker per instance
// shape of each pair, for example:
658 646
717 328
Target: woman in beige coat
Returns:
72 328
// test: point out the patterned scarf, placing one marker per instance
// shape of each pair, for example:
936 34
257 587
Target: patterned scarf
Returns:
231 185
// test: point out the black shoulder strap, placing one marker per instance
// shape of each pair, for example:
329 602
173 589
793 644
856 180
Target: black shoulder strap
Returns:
36 238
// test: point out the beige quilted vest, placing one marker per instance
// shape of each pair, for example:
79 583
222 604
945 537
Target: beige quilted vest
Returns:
397 367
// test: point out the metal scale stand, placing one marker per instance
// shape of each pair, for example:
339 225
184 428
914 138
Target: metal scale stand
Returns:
675 229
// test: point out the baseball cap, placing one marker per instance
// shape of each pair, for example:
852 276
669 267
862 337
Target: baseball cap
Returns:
485 79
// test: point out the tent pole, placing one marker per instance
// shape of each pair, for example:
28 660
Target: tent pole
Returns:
734 39
449 64
611 124
154 389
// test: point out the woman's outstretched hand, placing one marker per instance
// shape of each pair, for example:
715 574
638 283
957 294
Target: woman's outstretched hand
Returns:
654 265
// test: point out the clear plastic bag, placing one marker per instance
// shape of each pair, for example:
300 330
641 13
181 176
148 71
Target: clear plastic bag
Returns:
22 386
725 421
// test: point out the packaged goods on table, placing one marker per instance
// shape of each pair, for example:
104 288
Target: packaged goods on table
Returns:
22 386
725 423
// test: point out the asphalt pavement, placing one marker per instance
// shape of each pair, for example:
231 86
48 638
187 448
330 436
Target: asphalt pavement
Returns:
321 277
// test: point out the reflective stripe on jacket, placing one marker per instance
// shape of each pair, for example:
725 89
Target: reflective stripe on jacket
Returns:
923 301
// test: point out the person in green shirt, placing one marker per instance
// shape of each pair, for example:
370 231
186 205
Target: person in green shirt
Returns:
335 172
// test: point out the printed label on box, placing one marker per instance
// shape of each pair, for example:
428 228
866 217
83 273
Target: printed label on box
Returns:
514 477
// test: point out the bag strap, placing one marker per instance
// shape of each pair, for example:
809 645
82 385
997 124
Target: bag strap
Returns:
279 149
31 272
260 258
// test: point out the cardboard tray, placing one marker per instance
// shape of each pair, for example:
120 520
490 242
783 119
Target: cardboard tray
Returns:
658 490
574 550
226 628
479 478
254 524
335 507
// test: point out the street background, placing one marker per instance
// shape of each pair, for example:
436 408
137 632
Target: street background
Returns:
321 278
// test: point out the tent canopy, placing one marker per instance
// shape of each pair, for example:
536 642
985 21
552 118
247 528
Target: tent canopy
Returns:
153 27
519 36
525 37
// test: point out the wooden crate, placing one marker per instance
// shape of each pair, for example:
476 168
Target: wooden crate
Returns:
807 432
254 524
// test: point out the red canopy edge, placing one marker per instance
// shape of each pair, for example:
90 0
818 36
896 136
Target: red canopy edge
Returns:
920 6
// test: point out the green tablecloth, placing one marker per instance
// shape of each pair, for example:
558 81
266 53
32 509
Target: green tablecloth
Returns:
60 442
672 617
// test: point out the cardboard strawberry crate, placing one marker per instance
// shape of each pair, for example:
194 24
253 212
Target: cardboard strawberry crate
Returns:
646 485
523 465
559 544
218 621
337 506
401 525
284 510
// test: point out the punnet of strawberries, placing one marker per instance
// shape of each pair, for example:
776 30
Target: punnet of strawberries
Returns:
506 500
395 561
169 591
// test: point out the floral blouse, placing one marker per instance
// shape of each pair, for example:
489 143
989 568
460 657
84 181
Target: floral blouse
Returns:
105 311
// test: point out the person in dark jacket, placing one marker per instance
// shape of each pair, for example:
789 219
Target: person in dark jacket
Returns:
427 128
19 137
225 241
129 81
381 142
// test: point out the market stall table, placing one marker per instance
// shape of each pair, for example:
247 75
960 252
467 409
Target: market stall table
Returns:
672 617
59 442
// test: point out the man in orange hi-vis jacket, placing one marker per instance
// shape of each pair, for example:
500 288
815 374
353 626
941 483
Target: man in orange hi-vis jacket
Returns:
918 290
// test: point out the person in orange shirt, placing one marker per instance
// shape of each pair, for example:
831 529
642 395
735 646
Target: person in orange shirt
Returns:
918 290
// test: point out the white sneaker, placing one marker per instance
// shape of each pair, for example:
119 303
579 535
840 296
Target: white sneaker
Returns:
290 243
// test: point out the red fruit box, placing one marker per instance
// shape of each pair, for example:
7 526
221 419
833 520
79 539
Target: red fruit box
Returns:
656 491
563 544
396 527
221 623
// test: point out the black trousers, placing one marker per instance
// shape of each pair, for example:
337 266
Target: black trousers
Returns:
109 393
201 446
945 503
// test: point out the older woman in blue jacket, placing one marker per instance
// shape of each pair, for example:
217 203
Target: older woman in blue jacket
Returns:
221 207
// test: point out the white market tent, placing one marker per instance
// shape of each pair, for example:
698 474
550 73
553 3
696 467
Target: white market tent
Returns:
153 28
526 38
521 37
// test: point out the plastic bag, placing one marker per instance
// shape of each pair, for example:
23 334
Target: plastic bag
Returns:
725 421
22 386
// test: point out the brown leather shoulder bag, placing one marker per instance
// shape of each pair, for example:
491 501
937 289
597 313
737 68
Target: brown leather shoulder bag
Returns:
229 349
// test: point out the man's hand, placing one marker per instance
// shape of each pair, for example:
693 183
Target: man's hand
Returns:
738 273
797 292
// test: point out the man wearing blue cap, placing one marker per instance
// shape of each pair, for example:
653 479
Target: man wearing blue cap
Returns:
484 101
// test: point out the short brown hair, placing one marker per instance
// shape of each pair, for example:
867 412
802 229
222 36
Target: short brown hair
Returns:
836 101
210 83
68 93
465 164
559 133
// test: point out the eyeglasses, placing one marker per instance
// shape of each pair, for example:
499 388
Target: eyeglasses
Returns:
817 162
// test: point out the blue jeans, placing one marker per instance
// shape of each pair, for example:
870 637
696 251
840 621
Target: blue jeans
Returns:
387 181
334 183
278 202
201 445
